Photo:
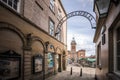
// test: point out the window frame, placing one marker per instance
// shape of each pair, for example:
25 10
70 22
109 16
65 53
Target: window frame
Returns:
115 64
52 5
59 14
12 5
51 28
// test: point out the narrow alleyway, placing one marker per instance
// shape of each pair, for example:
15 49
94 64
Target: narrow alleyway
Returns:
87 74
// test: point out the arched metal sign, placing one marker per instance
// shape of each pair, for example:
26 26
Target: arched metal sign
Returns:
76 13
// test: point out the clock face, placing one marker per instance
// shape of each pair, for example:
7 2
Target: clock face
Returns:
73 47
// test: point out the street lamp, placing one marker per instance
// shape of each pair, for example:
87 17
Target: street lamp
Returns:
102 6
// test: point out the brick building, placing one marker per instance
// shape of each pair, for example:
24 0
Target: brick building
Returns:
107 39
81 53
29 48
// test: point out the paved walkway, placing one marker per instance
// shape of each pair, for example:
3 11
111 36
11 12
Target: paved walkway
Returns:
87 74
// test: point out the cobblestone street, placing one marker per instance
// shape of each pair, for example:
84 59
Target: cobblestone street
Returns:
87 74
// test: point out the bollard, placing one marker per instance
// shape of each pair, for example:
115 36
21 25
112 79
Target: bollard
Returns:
80 72
71 71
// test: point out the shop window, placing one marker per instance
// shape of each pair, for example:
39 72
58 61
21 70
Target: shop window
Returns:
51 27
14 4
50 60
10 63
52 3
37 63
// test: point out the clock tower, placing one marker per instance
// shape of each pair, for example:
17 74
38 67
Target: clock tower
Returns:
73 45
73 50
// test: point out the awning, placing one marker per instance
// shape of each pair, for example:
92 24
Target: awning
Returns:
91 60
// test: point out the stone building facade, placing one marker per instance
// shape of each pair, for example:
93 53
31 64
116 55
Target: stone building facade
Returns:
107 39
28 40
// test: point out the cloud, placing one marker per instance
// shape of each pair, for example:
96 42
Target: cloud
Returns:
72 5
86 4
79 27
83 42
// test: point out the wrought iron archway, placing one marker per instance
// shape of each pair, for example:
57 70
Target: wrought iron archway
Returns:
76 13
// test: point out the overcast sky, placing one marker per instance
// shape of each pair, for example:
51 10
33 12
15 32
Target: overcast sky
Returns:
79 27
